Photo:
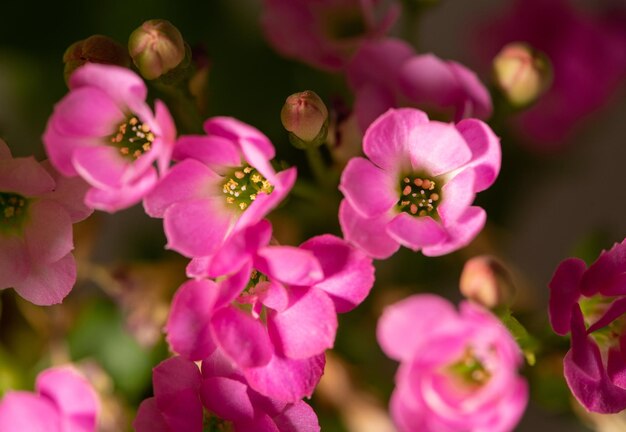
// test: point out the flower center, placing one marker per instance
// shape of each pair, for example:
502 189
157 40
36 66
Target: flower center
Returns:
212 423
243 185
419 195
593 308
470 369
133 138
12 211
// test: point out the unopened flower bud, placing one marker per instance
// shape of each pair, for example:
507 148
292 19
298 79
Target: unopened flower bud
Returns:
94 49
522 73
156 48
305 116
487 282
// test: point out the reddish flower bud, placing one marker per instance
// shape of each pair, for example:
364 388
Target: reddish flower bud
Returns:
94 49
487 282
156 48
305 116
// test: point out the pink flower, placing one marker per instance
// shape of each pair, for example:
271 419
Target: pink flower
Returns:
223 184
293 295
64 402
458 370
588 55
325 33
387 73
181 392
418 185
37 210
590 304
104 131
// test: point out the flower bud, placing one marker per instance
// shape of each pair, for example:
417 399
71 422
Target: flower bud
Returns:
156 48
487 282
522 73
305 116
94 49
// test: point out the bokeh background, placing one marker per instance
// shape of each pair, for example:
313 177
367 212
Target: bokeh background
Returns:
544 207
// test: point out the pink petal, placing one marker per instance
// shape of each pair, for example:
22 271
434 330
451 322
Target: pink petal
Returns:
416 232
255 155
370 190
149 418
87 112
14 261
285 379
348 272
69 193
231 128
307 327
182 411
456 196
290 265
370 101
24 176
298 417
486 152
48 233
460 233
50 283
120 83
187 180
174 375
188 331
473 90
60 148
197 227
428 80
101 166
564 293
127 195
22 411
166 138
368 234
378 61
387 140
239 248
73 396
214 151
273 295
607 274
227 398
243 338
437 148
261 423
405 327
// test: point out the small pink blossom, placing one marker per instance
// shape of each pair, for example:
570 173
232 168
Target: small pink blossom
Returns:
417 187
37 210
63 402
325 33
224 183
104 132
293 295
387 73
182 391
590 303
588 57
458 369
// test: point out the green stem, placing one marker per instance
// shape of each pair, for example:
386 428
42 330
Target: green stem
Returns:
322 174
183 106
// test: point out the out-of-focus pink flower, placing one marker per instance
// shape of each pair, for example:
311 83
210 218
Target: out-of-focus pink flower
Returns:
458 374
181 392
223 184
590 303
417 187
388 74
588 56
63 402
292 295
37 210
325 33
104 131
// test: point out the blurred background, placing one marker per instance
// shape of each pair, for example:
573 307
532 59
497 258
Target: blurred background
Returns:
550 202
